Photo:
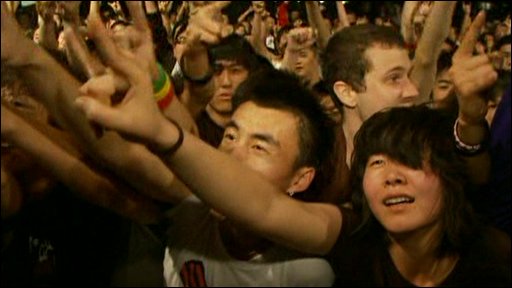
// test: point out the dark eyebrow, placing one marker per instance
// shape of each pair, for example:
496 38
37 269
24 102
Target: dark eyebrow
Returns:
259 136
396 69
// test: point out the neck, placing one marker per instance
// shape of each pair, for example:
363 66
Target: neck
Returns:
414 255
351 124
221 119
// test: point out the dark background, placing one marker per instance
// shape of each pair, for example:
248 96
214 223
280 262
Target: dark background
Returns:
498 9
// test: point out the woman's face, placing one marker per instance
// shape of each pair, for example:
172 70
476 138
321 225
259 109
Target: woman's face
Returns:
402 199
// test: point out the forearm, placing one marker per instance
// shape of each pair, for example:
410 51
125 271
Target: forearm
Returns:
257 37
196 65
317 21
437 28
228 186
179 113
48 34
202 175
406 27
342 14
94 187
473 133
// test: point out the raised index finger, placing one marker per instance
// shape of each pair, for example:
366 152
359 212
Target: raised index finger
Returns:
467 45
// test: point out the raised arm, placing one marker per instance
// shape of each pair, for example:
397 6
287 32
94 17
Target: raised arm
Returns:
436 30
406 27
203 30
472 76
238 192
56 90
47 26
342 14
258 33
317 21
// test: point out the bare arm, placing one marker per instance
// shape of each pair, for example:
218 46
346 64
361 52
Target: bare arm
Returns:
258 33
47 26
203 30
90 185
342 14
317 22
56 90
437 28
270 213
406 27
471 76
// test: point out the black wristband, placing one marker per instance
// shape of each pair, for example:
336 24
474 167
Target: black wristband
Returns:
171 150
200 81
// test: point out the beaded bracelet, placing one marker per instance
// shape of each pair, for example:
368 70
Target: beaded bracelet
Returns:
470 150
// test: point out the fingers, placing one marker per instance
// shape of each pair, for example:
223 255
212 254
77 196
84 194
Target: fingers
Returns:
109 53
467 45
100 113
137 14
77 45
101 87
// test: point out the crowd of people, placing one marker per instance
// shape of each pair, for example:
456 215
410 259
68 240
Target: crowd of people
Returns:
167 143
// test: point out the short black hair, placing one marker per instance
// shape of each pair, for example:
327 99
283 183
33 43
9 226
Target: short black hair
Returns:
237 48
503 41
282 90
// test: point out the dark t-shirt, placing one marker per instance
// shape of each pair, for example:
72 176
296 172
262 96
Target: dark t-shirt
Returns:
485 263
209 131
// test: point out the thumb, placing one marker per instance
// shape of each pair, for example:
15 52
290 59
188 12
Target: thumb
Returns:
99 113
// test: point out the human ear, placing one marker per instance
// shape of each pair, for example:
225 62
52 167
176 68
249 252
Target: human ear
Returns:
345 94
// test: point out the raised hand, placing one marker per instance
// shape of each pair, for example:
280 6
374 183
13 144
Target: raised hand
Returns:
472 75
302 37
137 115
46 10
205 24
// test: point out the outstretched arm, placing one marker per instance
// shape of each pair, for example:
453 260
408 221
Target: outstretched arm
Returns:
56 90
64 164
238 192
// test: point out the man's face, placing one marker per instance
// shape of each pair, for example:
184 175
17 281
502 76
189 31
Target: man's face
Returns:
228 75
264 139
442 87
387 83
